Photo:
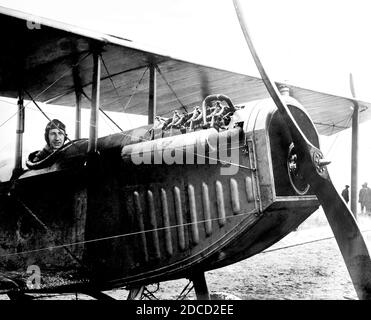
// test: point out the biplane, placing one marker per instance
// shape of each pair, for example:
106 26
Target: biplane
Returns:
221 172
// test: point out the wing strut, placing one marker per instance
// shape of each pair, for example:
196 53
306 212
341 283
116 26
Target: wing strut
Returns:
94 111
152 98
78 93
354 162
340 218
19 136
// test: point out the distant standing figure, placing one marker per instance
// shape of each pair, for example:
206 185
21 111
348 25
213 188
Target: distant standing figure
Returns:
362 197
345 193
368 201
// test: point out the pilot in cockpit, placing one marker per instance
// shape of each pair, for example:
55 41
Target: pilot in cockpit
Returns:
55 136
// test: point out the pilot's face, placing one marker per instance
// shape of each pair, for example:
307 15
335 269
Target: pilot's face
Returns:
56 139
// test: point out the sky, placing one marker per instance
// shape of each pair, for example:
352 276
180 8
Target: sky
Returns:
313 44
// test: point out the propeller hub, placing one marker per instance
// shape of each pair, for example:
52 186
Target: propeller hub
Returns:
319 162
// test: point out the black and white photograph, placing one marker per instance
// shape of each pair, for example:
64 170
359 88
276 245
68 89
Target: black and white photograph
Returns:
204 151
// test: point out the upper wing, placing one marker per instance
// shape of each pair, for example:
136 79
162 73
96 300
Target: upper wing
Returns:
52 60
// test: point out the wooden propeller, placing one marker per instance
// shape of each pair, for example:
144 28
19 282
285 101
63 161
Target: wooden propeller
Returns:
340 218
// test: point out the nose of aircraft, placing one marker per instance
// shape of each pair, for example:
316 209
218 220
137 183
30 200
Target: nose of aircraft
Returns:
345 228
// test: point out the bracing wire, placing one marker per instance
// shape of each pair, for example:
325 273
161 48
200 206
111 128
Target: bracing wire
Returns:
107 122
337 136
48 87
45 115
186 290
114 87
123 235
133 94
116 90
171 88
102 111
303 243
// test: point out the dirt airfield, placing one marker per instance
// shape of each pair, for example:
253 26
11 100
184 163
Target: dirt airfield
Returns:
301 266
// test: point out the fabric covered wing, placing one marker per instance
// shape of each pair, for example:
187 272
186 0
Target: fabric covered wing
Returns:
53 60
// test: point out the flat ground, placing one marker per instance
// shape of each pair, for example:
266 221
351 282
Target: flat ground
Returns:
287 270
